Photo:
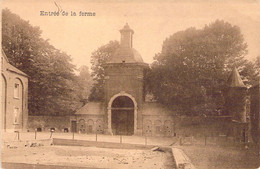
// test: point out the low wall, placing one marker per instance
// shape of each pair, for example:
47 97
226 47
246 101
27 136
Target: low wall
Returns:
158 125
86 143
201 126
186 126
47 122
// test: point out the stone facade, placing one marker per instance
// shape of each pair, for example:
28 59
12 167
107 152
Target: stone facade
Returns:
14 97
255 112
121 111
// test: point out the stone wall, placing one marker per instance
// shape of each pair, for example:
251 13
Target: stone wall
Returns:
127 78
255 113
45 123
186 126
90 124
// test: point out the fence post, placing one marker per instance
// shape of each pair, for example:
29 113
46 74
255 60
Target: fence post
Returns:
120 138
35 134
73 135
51 134
96 135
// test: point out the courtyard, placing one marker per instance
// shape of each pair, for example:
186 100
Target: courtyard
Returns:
126 152
91 157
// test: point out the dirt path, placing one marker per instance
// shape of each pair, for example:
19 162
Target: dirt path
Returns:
89 157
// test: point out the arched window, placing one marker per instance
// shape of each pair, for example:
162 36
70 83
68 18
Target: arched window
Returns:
82 126
158 127
16 90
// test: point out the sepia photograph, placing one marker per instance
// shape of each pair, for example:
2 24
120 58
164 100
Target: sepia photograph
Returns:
128 84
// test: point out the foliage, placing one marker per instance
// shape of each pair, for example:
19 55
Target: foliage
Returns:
98 59
52 81
193 66
85 82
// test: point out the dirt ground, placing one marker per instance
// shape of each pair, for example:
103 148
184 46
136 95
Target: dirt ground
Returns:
216 157
89 157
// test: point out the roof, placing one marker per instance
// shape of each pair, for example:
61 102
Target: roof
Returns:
235 80
153 108
127 28
11 68
93 108
126 55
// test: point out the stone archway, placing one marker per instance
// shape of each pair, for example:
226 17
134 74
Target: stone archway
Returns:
122 109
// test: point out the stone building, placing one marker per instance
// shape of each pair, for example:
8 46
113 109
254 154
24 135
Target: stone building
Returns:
14 97
235 106
124 110
255 112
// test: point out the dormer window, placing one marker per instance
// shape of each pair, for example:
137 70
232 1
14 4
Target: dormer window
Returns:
16 91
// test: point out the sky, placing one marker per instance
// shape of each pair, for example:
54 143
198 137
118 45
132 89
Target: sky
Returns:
152 21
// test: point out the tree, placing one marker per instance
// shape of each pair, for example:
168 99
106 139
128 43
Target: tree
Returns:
191 70
51 73
98 59
84 82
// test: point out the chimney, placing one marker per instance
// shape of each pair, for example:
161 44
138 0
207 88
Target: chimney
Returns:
127 36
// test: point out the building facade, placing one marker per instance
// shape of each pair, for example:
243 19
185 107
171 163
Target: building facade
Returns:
255 112
124 110
14 97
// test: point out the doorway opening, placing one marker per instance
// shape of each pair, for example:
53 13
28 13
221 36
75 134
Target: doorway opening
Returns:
122 116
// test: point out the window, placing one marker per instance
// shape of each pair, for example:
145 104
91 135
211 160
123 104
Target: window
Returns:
16 115
16 90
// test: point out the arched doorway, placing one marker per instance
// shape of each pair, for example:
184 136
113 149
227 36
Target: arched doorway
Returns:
122 116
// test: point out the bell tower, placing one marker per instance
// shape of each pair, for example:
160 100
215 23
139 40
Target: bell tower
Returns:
126 37
124 87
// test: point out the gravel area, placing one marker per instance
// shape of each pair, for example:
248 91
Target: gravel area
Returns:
89 157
